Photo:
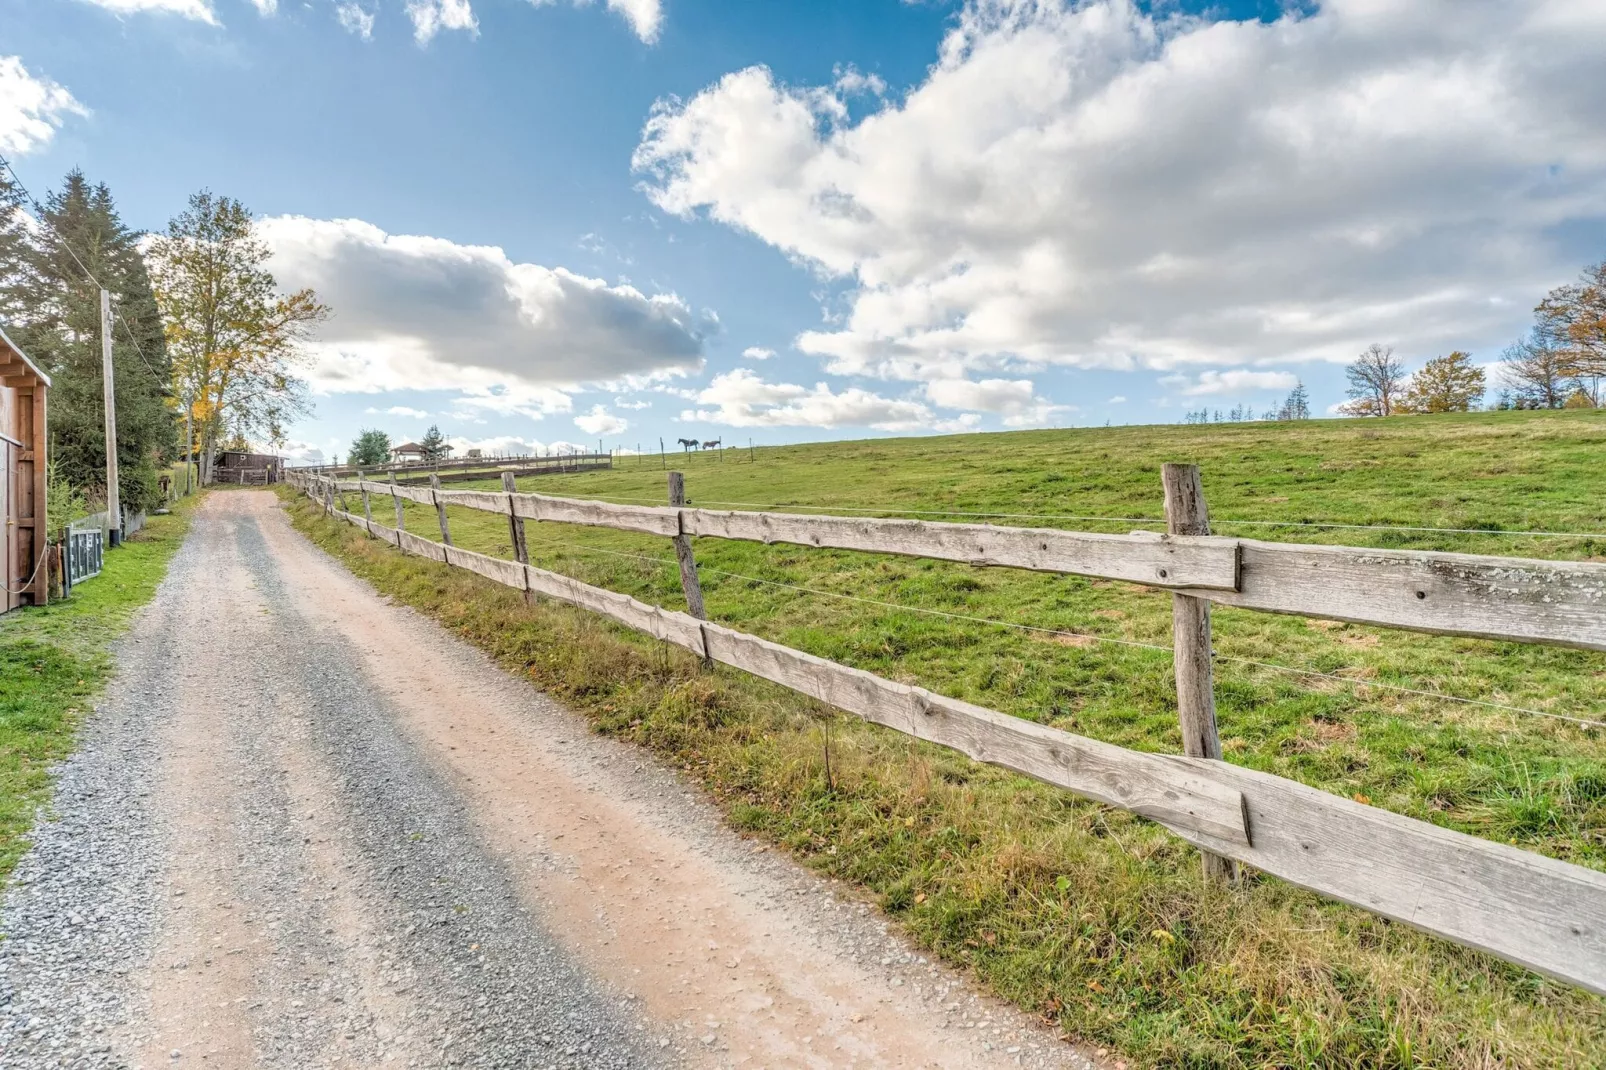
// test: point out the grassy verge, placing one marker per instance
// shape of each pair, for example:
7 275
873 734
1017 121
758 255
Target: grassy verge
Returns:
55 659
1079 912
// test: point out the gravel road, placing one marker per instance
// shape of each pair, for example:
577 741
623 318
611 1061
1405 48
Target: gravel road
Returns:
307 828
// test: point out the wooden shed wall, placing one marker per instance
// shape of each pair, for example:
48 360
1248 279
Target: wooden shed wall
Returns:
23 544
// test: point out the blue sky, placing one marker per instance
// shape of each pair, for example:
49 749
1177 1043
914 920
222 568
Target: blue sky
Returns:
564 222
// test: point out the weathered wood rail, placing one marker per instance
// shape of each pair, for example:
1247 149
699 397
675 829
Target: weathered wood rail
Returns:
1537 912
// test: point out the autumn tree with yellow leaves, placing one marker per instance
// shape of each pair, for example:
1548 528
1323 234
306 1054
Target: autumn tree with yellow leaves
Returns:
1451 383
1572 319
234 339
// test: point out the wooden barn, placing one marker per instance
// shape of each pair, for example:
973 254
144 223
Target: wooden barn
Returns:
23 478
237 466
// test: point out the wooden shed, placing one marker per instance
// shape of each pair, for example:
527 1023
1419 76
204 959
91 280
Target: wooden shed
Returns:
23 478
238 466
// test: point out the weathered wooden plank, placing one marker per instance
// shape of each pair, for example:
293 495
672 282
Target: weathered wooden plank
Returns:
484 501
1538 912
1557 602
654 520
679 628
1165 787
508 573
1161 561
412 494
422 547
380 531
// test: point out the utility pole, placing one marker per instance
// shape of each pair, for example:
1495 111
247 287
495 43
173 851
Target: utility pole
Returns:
113 510
189 444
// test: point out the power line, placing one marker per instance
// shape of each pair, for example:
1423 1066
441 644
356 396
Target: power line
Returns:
40 214
1398 688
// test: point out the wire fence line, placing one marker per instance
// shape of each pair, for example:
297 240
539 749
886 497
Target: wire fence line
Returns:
1585 721
1145 521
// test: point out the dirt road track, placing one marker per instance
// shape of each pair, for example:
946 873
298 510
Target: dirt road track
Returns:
308 828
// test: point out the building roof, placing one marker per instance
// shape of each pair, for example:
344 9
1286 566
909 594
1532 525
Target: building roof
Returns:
407 447
14 362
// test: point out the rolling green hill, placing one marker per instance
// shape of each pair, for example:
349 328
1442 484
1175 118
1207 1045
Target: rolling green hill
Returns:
1082 912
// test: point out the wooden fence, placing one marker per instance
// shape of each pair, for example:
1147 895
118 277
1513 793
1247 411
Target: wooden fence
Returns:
467 468
1538 912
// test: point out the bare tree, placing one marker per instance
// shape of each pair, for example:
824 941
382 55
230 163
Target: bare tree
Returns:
1538 372
1376 379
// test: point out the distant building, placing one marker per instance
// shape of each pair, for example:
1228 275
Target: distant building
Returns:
407 453
238 466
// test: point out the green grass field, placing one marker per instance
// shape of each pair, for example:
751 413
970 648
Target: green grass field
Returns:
1076 910
54 660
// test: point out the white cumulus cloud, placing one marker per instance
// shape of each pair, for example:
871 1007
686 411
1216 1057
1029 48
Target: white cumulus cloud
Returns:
353 18
32 108
757 353
424 313
512 444
199 10
599 421
741 398
432 16
1015 400
1211 383
1096 185
645 17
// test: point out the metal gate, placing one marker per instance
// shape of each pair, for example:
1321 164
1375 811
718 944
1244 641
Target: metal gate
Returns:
84 552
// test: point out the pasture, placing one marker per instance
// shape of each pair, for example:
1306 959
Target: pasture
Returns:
1086 914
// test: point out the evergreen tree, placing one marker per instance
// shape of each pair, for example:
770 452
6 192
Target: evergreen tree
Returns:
51 300
1297 405
13 250
434 444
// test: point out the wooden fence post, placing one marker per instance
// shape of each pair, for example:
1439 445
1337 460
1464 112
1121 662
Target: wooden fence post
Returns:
688 564
367 508
395 499
515 532
1186 514
440 510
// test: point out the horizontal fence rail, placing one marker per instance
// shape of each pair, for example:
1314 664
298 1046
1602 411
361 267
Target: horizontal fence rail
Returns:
1562 603
1537 912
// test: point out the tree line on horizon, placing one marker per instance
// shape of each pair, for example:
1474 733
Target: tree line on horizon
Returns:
199 326
1558 364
